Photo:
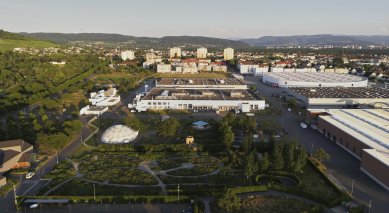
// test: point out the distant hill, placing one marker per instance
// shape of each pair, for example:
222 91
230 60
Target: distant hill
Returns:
9 41
167 41
307 40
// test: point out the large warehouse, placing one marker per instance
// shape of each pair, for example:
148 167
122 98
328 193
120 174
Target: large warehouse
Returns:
364 133
313 79
339 97
199 95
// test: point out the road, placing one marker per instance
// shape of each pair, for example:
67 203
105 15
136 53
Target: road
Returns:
343 166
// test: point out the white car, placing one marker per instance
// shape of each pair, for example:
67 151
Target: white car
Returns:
29 175
33 206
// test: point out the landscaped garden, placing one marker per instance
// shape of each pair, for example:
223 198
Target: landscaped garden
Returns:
215 169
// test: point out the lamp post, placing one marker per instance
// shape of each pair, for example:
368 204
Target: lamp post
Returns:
57 155
311 149
352 187
94 192
369 205
15 197
178 192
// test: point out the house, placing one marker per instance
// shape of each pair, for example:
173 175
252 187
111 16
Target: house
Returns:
189 140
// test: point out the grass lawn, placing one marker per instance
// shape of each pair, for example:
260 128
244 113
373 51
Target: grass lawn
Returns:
9 44
315 184
73 98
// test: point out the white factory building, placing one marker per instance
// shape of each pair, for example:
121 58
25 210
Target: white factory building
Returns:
104 98
199 95
313 79
128 55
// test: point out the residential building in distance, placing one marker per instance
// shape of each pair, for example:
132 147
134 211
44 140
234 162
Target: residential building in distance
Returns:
228 54
364 134
175 52
128 55
104 98
339 97
199 95
313 79
14 154
202 52
164 68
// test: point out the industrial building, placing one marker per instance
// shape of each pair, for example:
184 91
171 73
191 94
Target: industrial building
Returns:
199 95
14 154
312 79
203 83
339 97
104 98
364 133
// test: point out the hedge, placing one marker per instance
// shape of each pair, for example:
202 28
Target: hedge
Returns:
112 199
247 189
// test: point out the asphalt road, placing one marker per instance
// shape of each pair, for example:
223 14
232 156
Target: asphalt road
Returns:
343 166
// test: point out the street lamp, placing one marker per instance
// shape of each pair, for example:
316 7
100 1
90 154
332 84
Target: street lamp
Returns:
178 192
57 155
352 186
15 197
94 192
311 149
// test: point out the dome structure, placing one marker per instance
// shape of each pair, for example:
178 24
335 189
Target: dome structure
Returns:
119 134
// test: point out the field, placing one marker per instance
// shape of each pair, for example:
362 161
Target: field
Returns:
9 44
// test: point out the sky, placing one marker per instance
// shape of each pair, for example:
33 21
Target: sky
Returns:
214 18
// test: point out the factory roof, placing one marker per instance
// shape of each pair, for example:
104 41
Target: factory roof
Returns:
370 126
199 81
341 92
315 77
200 94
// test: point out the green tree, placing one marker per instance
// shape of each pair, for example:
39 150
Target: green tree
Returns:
230 202
168 127
278 159
290 149
265 163
301 159
250 167
321 155
227 136
247 144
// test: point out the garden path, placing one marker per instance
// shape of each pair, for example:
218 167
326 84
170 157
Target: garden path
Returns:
144 166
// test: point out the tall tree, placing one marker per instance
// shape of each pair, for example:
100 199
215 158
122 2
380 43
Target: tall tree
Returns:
230 202
278 159
251 167
227 136
265 163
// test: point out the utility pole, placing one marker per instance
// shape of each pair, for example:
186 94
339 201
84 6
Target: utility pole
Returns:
94 192
178 193
15 197
352 186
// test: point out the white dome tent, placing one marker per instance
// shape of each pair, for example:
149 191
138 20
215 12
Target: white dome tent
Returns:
119 134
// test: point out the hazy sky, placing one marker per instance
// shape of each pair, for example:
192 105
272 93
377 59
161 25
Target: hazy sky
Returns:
218 18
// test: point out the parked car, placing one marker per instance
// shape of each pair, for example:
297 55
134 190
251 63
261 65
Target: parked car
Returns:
33 206
29 175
